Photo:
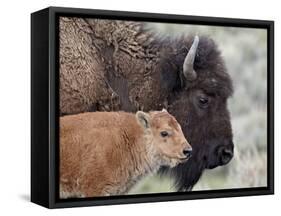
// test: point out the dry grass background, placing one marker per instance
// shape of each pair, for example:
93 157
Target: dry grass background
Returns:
245 54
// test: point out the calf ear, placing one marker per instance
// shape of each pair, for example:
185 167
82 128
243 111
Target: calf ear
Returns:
143 119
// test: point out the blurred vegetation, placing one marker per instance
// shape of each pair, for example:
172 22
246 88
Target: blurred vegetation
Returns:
245 54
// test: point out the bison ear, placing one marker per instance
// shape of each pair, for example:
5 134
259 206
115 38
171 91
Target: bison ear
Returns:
143 119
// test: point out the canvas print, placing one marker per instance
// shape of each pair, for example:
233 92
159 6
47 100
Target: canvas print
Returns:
150 107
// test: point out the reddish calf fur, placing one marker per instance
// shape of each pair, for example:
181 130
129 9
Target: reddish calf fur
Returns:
106 153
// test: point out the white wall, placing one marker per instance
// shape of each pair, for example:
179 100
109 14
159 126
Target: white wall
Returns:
15 106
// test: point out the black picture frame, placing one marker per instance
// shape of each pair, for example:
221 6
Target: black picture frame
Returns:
45 114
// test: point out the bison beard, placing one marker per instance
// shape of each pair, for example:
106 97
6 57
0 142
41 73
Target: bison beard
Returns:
187 175
115 65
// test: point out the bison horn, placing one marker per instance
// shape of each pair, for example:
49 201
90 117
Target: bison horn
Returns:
188 71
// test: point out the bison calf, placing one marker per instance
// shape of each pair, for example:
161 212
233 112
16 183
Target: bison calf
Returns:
106 153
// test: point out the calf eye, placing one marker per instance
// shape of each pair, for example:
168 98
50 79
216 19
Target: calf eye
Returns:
164 133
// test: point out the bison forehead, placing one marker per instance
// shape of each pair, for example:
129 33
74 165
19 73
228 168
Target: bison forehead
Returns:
209 65
216 84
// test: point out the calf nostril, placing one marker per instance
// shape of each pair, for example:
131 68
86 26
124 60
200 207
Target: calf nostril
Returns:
187 152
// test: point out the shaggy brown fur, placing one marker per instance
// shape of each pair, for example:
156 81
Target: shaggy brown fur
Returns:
110 65
98 158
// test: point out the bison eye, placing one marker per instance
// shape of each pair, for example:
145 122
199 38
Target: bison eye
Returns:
164 133
203 102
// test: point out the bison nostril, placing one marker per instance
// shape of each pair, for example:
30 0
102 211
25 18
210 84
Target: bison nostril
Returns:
187 152
226 155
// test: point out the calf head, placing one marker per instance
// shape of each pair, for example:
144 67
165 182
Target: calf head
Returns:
165 135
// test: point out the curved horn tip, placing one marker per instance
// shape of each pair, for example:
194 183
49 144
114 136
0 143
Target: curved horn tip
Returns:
196 39
188 70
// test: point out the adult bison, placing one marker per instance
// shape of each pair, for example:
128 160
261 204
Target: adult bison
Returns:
119 65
